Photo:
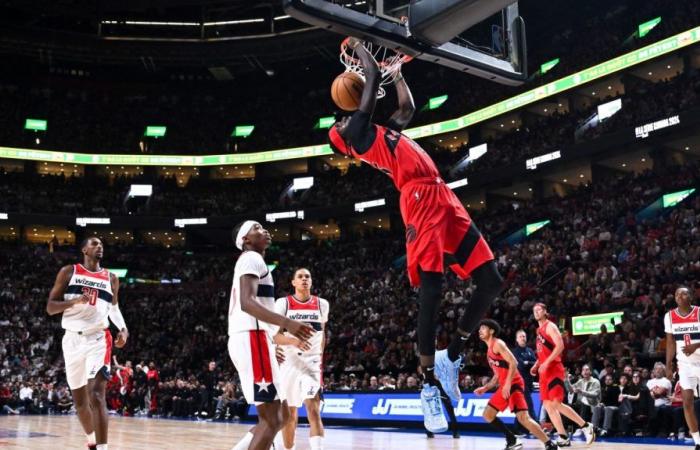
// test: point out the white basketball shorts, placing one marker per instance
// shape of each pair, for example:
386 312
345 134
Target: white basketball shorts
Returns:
253 354
86 355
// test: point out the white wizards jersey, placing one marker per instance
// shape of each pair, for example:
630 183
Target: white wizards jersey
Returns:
92 315
314 312
251 263
685 331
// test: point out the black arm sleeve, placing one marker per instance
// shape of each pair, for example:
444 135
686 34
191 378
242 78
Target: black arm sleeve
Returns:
361 132
393 125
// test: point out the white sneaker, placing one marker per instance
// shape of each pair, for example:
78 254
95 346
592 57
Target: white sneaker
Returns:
578 432
589 433
433 415
517 445
447 372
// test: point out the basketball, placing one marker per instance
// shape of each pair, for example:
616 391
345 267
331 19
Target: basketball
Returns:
346 90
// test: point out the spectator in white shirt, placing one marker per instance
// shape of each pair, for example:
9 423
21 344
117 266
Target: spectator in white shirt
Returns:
660 388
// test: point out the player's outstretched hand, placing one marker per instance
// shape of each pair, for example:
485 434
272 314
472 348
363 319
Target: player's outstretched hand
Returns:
299 330
122 336
480 391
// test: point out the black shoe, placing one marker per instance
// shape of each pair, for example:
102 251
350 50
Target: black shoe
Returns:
430 434
697 446
455 434
92 447
551 445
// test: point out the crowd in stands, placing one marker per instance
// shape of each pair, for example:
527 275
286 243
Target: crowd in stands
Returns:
594 257
92 117
209 197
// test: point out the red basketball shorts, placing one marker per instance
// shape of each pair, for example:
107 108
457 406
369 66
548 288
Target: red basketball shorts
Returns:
516 402
552 383
439 231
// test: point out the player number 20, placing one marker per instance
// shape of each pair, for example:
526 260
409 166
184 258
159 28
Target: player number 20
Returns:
92 293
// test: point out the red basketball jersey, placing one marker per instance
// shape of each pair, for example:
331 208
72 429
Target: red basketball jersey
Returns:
500 367
393 153
545 344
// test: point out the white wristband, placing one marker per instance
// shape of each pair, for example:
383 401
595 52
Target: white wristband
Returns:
115 315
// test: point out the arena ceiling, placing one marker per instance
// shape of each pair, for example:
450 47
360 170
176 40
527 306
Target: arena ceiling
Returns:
159 33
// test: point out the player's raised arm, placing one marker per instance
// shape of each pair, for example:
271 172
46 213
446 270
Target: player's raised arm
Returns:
403 115
372 76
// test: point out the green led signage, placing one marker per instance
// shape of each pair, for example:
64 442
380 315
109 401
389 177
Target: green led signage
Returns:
646 27
243 131
549 65
325 122
120 273
531 228
591 324
35 124
436 102
155 131
674 198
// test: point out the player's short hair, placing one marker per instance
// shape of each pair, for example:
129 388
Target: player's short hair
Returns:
543 306
86 241
294 274
492 324
690 292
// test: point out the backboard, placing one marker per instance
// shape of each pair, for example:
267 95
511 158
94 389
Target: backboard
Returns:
439 31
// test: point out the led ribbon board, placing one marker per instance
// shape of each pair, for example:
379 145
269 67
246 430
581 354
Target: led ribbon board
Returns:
556 87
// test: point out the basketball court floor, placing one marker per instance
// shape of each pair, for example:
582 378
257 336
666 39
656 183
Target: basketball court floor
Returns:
128 433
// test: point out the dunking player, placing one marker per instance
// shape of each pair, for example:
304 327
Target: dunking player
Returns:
87 295
252 322
682 327
511 389
301 371
438 230
551 372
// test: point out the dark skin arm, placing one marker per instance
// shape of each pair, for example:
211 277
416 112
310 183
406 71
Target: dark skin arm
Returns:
123 334
249 289
56 304
403 115
670 354
372 76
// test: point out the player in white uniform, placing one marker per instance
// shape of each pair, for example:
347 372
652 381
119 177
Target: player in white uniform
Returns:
301 371
87 295
252 322
682 327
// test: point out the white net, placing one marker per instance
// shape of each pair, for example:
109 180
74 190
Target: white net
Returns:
389 62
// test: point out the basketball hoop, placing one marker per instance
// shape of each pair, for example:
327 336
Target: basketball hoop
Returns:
389 62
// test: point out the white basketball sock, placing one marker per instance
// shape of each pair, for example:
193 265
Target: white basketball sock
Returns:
244 443
316 442
696 437
91 438
278 442
293 447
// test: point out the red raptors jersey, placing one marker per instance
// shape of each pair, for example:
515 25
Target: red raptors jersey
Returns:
393 153
545 344
500 367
